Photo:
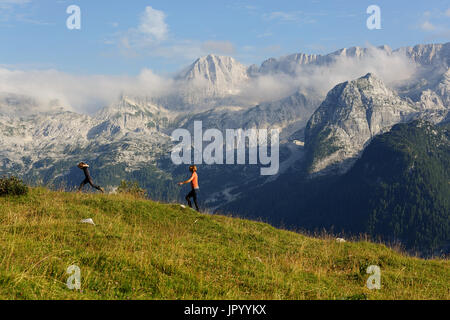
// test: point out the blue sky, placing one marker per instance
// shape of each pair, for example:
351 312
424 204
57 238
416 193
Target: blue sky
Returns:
124 37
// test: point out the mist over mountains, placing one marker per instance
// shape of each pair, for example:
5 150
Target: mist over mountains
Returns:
215 80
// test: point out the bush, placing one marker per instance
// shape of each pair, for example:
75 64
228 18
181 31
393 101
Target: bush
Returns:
12 187
132 188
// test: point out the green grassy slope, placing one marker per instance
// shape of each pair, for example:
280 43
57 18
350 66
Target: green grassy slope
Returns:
145 250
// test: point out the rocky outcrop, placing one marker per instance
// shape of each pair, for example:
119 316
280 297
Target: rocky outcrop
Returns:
351 115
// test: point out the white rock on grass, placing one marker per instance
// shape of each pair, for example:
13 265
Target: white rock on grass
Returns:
88 221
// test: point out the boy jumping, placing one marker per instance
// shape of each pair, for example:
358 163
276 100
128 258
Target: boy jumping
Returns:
88 179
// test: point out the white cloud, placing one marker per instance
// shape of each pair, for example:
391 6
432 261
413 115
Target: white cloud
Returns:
435 23
292 16
151 37
265 35
151 31
153 24
427 26
9 12
84 94
7 8
284 16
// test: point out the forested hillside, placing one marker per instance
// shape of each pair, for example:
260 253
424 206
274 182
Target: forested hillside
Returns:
398 190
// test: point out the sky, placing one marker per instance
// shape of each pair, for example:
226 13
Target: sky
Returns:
122 38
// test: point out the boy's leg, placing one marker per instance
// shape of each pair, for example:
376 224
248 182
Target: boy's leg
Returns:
83 184
95 186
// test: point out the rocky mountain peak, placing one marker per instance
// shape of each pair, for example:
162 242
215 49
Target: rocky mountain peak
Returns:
429 54
351 115
217 70
209 78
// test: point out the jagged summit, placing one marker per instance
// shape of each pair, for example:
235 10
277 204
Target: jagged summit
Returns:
289 64
215 69
132 106
369 76
211 78
429 54
424 54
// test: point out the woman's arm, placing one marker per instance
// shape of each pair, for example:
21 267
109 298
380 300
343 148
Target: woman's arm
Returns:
187 181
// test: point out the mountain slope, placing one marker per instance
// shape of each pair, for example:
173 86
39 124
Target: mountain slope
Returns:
127 131
398 191
146 250
400 188
351 115
291 111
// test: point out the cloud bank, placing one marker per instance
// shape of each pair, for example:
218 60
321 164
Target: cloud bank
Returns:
87 94
392 68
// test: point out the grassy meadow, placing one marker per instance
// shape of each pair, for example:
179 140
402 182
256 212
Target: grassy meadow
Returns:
140 249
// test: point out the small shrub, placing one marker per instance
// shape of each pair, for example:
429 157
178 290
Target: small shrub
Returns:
127 187
12 187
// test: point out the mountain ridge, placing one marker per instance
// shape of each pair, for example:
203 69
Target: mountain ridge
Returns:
425 54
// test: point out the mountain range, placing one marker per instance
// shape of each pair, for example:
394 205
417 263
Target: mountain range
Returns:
326 128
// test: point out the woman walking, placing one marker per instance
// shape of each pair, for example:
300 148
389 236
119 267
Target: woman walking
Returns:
194 187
